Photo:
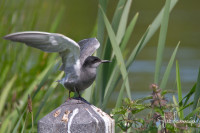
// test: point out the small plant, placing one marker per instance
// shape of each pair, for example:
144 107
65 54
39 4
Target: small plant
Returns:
158 115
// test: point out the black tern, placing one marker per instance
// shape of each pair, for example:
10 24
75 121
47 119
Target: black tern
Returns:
77 61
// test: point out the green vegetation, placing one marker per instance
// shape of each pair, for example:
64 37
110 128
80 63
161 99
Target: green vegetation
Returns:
164 116
25 71
158 115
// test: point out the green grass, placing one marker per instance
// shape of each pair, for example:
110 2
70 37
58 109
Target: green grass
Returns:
178 80
197 93
24 70
127 112
162 40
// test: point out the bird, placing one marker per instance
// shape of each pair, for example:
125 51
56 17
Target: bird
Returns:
79 65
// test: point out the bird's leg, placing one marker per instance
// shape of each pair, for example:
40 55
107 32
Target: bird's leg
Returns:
69 94
79 96
69 98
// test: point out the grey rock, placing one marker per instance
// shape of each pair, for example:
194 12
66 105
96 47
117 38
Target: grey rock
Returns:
76 116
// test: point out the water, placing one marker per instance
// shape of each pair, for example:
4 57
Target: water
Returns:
142 70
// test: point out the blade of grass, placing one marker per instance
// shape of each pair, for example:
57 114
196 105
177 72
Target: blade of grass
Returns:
188 96
23 127
19 121
110 87
98 93
178 80
192 114
118 14
128 32
5 93
197 92
123 22
117 53
122 25
162 39
176 104
137 48
186 106
121 94
168 69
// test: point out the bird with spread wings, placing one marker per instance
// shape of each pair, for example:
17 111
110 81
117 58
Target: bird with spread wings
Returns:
77 61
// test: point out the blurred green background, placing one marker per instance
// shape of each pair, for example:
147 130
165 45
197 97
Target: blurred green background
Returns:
77 19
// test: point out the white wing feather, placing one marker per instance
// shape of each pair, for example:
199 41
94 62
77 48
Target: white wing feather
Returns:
51 42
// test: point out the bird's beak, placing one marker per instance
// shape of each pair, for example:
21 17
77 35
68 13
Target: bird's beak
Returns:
105 61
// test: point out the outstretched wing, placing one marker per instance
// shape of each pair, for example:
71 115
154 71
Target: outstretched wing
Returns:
68 49
88 47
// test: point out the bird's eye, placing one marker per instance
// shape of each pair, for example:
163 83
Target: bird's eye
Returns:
95 60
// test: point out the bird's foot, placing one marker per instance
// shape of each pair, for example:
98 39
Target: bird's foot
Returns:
68 99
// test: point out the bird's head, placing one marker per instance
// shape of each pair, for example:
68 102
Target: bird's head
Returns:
93 62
